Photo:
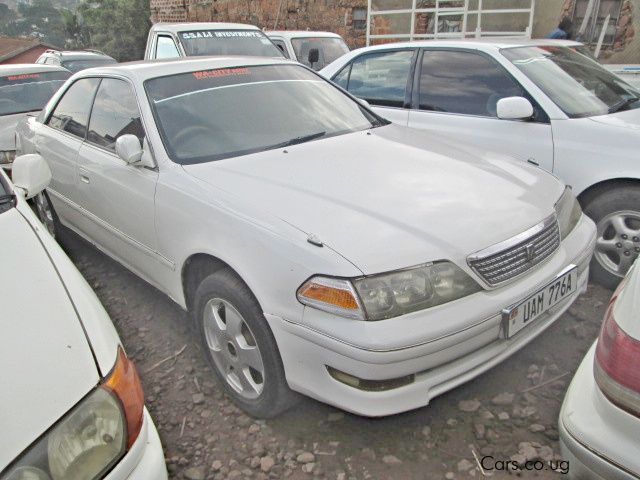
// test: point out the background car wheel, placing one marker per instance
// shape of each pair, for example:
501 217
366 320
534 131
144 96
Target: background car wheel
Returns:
617 215
46 214
240 346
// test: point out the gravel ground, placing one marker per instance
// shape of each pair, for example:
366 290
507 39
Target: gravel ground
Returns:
508 413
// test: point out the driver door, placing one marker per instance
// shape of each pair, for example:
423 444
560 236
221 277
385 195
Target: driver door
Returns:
118 198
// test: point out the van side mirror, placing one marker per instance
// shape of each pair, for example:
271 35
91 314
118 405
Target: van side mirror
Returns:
129 149
314 56
31 174
514 108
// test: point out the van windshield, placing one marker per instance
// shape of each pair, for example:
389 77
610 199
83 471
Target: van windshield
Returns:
200 43
28 92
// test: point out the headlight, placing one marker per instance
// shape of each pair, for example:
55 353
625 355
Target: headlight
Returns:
7 156
388 295
568 212
92 437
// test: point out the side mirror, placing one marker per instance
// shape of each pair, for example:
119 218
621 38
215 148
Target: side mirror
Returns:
129 149
314 56
514 108
31 174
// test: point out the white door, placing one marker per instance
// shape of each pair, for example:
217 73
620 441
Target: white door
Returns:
456 96
118 198
383 80
59 141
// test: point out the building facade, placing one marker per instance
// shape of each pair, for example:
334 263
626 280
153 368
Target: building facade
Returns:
359 21
20 50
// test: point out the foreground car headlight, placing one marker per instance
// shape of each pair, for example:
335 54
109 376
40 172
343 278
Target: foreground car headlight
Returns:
7 156
568 211
92 437
378 297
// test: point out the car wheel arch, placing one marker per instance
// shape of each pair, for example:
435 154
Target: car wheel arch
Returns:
588 194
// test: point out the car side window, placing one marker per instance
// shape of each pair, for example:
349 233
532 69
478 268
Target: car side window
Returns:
115 113
166 47
71 114
280 44
342 78
463 82
380 78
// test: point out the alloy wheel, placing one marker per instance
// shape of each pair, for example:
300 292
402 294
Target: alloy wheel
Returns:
618 241
233 348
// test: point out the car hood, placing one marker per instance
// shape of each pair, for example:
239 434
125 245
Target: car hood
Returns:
389 198
46 365
629 119
8 130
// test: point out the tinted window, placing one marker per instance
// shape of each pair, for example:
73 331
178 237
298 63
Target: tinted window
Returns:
28 92
381 78
72 112
228 42
115 113
328 48
215 114
283 48
166 48
342 78
463 82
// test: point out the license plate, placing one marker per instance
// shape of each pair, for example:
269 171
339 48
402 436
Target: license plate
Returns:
517 317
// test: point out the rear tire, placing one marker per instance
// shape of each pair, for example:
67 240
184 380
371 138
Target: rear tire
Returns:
239 345
616 212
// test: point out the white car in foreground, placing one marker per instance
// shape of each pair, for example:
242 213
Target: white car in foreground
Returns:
540 101
71 403
319 247
600 419
24 90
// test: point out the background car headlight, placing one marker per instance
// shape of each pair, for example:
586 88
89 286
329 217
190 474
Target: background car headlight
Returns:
568 211
93 436
392 294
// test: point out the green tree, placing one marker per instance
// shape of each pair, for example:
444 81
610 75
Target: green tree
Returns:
38 19
117 27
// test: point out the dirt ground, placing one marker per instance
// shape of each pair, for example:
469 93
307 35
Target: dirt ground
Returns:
206 437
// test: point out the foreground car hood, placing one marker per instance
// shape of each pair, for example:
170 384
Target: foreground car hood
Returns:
46 364
389 198
8 130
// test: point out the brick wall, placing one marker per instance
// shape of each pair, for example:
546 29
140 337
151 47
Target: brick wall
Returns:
327 15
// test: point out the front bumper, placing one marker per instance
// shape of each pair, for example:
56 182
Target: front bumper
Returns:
597 438
442 347
145 459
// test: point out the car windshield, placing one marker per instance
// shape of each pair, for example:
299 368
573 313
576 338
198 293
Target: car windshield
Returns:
329 49
77 65
215 114
228 42
580 86
28 92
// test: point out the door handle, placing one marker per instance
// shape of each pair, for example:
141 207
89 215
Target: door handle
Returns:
84 178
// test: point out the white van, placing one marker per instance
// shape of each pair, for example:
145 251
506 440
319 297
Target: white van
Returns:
313 49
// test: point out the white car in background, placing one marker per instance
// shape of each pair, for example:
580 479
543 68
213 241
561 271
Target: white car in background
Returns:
199 39
600 419
313 49
24 90
71 404
328 252
540 101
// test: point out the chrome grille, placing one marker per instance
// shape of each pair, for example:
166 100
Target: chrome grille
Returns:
511 258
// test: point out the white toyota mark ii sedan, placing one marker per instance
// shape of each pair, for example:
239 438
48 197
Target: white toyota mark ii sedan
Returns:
320 248
71 403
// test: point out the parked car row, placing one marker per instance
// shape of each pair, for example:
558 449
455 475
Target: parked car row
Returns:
335 252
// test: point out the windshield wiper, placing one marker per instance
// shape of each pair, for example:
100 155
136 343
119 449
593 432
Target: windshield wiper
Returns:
297 140
623 105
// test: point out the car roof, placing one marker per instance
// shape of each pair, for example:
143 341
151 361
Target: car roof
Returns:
143 70
79 54
20 68
190 26
485 43
301 34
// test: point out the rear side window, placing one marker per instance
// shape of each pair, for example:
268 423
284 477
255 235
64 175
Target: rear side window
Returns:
464 83
115 113
71 114
379 78
280 44
166 47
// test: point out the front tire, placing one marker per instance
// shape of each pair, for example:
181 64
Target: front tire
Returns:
616 212
239 345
